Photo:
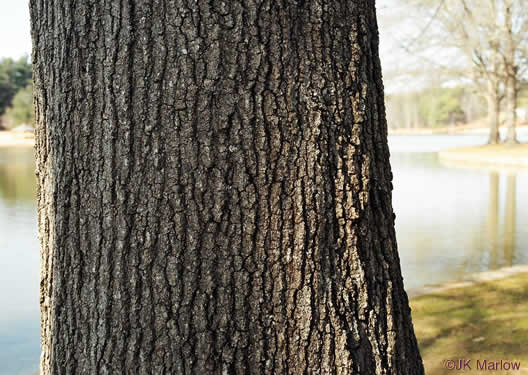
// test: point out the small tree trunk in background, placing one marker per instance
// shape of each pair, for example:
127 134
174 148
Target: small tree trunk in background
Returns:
511 109
511 78
415 114
215 190
492 98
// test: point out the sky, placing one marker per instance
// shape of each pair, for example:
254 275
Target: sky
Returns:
15 39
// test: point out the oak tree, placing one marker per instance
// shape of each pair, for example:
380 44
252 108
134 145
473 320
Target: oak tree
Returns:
215 190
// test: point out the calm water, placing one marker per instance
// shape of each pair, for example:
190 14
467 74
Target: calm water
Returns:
450 222
19 265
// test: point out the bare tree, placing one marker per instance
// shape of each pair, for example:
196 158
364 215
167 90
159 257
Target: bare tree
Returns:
491 35
515 40
471 29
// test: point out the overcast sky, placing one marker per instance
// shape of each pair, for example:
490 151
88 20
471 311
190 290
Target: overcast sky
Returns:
15 39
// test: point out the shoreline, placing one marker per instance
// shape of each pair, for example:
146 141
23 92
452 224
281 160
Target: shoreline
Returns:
9 138
455 130
471 280
502 155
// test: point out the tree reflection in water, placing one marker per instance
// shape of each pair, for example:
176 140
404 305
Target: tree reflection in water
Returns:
17 175
507 245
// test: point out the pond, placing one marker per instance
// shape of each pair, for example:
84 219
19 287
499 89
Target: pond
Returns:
454 220
19 264
450 222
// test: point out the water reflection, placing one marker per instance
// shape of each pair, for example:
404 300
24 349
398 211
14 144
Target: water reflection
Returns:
19 264
510 220
493 218
453 221
507 246
17 175
502 253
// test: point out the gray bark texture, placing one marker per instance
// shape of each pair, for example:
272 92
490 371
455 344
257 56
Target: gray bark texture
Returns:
215 190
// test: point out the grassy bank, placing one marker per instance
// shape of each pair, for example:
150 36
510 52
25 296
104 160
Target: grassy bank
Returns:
502 154
486 321
16 139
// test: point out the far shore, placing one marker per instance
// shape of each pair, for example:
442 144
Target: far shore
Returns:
467 129
471 280
504 155
16 139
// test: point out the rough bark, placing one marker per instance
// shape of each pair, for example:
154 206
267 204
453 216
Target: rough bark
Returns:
215 190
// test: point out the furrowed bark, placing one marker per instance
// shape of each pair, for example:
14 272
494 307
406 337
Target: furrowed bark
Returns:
215 190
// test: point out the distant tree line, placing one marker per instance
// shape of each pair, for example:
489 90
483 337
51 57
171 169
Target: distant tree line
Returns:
433 107
442 107
481 42
16 93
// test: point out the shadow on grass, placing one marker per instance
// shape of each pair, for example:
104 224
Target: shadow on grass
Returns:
486 321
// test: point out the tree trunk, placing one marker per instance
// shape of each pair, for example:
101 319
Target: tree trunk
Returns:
492 98
511 78
511 108
215 190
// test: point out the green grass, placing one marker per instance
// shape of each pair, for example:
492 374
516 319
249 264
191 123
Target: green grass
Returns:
484 321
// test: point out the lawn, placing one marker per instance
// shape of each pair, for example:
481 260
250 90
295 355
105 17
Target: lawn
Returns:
486 321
